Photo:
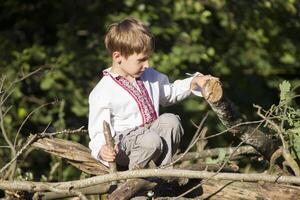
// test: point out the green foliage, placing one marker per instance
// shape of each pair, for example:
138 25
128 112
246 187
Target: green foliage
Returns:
289 118
285 89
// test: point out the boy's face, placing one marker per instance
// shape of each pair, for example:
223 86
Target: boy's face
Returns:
134 65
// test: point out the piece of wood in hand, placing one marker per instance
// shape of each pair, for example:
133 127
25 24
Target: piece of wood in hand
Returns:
212 90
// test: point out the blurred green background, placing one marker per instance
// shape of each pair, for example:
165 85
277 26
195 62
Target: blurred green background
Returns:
251 45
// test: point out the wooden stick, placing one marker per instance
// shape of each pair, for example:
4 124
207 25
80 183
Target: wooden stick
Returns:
110 142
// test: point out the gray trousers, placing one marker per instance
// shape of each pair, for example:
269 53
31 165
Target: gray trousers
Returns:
159 142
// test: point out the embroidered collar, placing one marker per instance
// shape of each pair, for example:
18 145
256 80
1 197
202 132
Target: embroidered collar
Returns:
140 95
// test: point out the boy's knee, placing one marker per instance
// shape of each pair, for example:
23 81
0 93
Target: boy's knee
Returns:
171 119
153 142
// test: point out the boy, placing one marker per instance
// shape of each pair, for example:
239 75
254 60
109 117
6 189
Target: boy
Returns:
128 98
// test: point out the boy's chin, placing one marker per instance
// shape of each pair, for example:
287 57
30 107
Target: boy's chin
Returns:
138 75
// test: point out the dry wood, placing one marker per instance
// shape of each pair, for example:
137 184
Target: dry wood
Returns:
215 189
92 190
229 190
230 117
212 90
110 142
77 154
216 152
263 189
130 188
145 173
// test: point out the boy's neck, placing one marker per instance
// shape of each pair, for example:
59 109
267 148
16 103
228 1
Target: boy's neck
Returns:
116 69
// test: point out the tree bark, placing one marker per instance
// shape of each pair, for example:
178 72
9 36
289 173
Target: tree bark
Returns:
230 117
212 189
75 153
228 190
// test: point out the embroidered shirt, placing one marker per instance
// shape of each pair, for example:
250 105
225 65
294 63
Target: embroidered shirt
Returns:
110 102
140 94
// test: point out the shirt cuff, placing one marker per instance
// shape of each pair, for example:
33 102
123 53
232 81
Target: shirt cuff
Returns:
95 146
198 90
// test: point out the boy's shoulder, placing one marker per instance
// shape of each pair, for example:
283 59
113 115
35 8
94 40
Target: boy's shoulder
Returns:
103 86
151 74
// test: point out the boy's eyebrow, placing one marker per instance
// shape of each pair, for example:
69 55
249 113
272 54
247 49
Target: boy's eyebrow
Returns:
143 58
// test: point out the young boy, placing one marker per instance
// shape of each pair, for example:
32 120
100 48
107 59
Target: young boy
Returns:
128 98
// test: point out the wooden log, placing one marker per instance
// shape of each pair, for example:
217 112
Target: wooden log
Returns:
228 190
230 117
130 188
211 189
92 190
75 153
247 149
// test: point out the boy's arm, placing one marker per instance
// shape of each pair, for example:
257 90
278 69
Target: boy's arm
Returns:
98 112
171 93
200 80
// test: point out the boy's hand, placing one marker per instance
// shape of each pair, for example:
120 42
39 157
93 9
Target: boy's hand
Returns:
107 153
200 81
210 87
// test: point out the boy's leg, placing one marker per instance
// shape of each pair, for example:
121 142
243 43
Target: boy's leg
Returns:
138 147
169 128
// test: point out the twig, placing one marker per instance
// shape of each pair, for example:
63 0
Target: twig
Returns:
31 139
27 117
233 127
285 151
66 131
216 173
273 159
4 133
194 140
29 142
144 173
10 91
277 128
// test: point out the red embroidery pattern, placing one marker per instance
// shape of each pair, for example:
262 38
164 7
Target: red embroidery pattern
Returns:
141 97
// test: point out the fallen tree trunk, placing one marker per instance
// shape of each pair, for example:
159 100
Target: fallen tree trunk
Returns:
225 190
75 152
100 184
231 118
228 190
145 173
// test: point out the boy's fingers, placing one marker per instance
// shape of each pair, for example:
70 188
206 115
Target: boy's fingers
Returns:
116 148
107 153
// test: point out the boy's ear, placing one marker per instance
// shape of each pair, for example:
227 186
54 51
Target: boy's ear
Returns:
116 56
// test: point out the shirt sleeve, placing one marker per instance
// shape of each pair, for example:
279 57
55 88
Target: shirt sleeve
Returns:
98 112
170 93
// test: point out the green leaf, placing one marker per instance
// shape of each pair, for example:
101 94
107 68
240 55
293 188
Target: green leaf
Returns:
285 88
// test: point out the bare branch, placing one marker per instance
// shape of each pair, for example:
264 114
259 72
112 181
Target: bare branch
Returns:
247 149
27 117
144 173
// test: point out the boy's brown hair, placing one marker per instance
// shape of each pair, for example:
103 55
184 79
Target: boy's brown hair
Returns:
129 36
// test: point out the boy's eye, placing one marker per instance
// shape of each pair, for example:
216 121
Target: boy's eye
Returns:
143 59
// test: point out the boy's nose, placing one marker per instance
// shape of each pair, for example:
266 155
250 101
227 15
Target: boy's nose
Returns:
146 64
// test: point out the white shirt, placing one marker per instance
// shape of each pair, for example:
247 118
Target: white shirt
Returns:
110 102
